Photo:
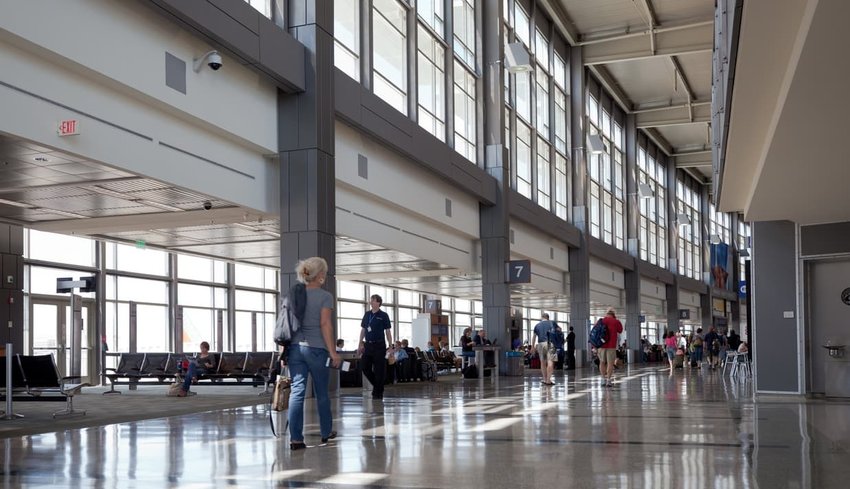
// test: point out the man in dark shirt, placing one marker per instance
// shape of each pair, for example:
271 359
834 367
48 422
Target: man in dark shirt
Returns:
481 338
734 340
571 350
375 334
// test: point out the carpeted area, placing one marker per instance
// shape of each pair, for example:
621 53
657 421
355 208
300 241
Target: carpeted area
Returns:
146 402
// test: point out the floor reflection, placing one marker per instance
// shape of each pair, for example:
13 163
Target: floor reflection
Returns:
653 429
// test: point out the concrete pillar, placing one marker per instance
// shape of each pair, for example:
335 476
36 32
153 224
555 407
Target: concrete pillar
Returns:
632 316
579 257
495 238
673 306
775 318
306 141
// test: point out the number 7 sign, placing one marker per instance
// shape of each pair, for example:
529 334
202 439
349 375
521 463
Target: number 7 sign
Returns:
518 271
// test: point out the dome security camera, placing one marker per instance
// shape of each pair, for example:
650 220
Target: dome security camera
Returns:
213 60
207 205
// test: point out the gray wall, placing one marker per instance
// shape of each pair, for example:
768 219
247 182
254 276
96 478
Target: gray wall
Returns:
825 239
11 286
828 318
774 291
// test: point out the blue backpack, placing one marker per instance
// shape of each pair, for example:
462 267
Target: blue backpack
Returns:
598 334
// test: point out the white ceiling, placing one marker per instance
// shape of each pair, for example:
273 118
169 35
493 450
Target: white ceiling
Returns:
787 156
620 36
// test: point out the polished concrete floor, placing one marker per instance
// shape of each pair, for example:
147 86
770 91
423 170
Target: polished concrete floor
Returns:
652 430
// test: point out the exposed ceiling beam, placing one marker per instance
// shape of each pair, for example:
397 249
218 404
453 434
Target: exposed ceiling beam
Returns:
562 21
690 38
651 20
659 140
674 115
144 222
693 159
612 87
677 68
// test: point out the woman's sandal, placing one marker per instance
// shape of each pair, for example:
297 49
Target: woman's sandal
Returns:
297 445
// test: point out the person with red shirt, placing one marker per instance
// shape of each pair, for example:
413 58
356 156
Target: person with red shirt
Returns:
608 352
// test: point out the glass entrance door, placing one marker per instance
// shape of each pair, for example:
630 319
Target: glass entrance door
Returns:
50 331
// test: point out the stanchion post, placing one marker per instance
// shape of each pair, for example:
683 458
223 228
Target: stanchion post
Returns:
9 413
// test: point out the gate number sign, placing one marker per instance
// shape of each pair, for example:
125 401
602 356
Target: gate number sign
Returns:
519 271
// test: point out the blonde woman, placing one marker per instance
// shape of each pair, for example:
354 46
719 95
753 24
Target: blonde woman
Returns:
312 345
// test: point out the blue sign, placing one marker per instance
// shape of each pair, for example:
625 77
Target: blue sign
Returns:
742 289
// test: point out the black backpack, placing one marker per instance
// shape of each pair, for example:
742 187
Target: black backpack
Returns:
470 372
292 307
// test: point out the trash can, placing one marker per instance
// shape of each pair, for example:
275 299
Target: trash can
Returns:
514 364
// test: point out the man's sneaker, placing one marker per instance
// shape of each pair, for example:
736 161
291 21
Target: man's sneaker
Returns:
610 383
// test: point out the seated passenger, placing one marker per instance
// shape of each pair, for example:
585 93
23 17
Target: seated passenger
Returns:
401 357
340 345
742 348
202 364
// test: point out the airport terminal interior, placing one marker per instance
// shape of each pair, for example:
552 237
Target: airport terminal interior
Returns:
478 164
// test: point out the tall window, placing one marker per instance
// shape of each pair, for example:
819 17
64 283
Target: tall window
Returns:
606 169
653 215
262 6
430 11
721 224
559 74
464 27
561 186
431 83
465 117
544 169
352 303
347 37
690 230
390 52
743 244
523 159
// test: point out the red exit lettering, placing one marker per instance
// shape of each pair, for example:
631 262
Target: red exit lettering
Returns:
68 127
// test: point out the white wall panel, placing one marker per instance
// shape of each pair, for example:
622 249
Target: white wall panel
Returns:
400 183
122 45
652 288
652 306
607 274
607 296
127 131
360 215
540 248
688 298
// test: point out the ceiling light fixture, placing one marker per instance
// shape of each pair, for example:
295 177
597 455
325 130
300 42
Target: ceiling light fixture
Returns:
22 205
683 220
715 239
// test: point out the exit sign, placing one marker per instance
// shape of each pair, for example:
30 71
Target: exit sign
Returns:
70 127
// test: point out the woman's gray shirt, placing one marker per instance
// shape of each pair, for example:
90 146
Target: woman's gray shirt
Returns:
311 329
